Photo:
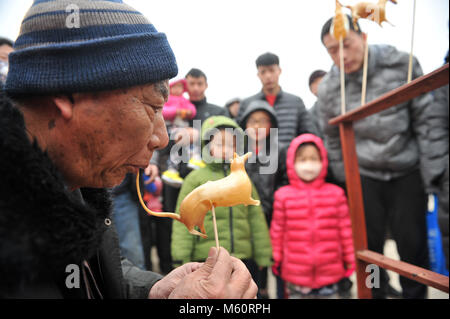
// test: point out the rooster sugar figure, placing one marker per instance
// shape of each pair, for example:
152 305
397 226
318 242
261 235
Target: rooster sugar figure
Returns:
232 190
375 12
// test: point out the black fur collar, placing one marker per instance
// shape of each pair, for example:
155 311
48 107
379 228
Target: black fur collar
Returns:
43 227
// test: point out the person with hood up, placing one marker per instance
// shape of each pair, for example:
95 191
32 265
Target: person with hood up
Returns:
257 121
242 230
177 112
311 229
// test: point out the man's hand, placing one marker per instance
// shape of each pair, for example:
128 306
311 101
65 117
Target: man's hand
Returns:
152 171
221 277
163 288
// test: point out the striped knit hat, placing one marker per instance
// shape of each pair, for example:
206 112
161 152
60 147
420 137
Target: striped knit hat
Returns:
68 46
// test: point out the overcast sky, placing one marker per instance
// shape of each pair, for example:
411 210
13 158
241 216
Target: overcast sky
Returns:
224 38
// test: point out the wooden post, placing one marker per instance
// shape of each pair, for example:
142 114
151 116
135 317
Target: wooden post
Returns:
356 206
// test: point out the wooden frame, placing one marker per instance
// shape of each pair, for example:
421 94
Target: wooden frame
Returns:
363 256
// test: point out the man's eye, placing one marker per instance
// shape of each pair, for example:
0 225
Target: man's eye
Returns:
155 109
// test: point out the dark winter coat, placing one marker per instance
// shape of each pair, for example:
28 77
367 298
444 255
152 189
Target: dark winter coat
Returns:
44 227
440 119
205 110
391 143
259 166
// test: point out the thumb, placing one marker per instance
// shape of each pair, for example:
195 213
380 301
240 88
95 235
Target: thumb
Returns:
210 262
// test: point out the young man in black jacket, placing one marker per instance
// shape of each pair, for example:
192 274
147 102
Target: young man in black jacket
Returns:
292 116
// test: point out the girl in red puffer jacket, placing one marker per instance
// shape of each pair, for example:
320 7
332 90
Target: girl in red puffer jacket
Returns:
311 229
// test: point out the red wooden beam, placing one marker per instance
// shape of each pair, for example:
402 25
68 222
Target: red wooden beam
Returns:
355 202
421 85
419 274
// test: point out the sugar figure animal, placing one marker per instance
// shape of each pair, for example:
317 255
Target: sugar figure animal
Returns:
375 12
232 190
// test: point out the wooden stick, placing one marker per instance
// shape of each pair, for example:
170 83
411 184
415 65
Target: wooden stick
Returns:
341 57
412 44
215 227
364 81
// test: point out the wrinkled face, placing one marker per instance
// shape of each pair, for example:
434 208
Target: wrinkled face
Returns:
5 50
354 45
196 88
113 133
258 125
223 144
269 76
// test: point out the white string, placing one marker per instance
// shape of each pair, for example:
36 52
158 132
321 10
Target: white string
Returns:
412 44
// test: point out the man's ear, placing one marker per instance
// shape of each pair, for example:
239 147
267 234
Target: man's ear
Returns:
64 104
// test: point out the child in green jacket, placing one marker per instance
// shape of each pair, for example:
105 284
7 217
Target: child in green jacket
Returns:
242 230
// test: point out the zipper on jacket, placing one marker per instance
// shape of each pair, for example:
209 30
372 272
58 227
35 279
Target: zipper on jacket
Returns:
313 237
231 216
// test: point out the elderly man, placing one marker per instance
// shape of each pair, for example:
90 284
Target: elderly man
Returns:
85 110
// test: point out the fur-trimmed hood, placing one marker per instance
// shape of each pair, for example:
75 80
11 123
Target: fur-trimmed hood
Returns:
43 226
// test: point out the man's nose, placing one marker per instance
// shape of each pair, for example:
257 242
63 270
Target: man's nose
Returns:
159 138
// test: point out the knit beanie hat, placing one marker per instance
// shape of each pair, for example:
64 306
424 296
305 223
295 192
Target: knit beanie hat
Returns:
68 46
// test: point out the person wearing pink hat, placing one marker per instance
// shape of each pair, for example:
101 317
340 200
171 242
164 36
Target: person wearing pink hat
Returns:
177 112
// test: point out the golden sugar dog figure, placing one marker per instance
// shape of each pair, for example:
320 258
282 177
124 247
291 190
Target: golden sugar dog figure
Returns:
232 190
375 12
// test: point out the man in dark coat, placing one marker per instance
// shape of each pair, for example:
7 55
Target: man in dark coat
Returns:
396 149
87 98
292 116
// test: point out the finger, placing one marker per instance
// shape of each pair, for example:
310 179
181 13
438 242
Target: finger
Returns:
241 279
209 263
193 266
251 292
152 175
220 265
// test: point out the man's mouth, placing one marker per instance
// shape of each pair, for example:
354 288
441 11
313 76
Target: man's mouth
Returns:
136 167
